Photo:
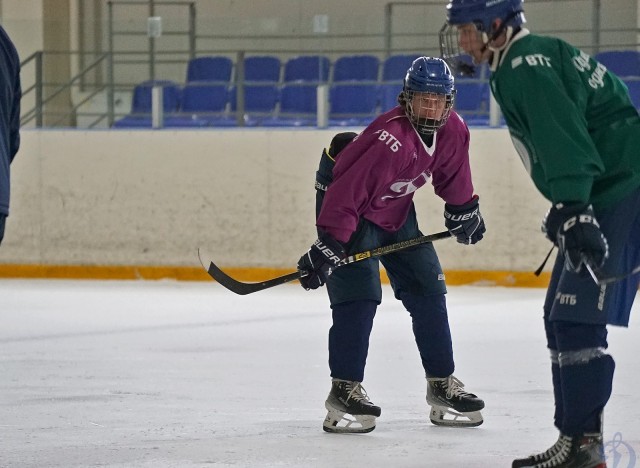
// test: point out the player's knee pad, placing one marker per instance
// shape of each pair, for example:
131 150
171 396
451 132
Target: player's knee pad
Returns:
352 324
428 313
576 336
431 331
558 414
419 306
360 311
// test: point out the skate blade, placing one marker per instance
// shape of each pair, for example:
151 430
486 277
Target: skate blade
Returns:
443 416
338 422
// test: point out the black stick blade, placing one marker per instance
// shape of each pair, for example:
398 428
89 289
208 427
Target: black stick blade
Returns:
239 287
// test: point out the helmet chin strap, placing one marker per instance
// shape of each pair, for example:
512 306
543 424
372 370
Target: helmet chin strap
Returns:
495 58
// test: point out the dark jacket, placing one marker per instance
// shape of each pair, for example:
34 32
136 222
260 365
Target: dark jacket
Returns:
10 94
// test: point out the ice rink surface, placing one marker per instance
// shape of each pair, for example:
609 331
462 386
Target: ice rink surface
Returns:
169 374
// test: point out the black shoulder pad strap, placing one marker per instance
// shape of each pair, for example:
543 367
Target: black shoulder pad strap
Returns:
324 175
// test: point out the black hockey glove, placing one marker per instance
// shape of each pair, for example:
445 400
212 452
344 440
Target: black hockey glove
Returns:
574 229
320 261
465 221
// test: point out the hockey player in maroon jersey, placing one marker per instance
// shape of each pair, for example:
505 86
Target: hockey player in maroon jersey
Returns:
365 200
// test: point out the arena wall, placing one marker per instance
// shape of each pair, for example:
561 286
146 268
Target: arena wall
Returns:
123 199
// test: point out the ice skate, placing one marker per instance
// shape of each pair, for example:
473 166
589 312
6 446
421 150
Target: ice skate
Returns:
585 451
537 458
451 405
349 409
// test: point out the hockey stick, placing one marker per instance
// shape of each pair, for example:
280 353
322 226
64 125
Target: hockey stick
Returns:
594 272
241 288
601 280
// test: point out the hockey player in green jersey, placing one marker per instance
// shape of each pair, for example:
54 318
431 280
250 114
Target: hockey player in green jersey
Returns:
578 134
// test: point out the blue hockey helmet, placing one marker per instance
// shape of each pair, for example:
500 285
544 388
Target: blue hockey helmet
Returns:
483 12
428 75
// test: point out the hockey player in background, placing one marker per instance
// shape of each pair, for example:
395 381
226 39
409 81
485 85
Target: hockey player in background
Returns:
368 203
578 135
10 94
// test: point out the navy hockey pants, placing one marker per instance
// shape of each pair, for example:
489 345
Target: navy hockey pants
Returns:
355 292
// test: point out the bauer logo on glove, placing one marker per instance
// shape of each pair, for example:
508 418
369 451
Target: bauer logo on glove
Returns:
465 221
327 252
323 257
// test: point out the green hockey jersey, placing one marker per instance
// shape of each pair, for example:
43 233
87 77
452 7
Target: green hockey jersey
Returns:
571 121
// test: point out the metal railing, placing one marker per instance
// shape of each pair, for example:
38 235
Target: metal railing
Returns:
38 111
115 80
152 37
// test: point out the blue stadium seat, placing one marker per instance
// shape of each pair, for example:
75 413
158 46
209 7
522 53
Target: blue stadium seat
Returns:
314 68
298 106
140 116
260 101
262 68
623 63
210 69
352 104
356 67
141 102
171 120
394 67
634 91
298 98
185 121
389 95
133 121
204 98
298 95
203 102
472 101
209 102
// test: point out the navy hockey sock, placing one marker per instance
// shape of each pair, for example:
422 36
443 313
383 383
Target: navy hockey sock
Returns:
586 388
586 375
349 339
558 414
431 331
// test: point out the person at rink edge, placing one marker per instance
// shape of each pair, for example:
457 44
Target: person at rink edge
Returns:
368 203
10 94
577 132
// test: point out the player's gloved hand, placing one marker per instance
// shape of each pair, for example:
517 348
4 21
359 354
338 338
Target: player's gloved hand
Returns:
574 229
323 256
465 221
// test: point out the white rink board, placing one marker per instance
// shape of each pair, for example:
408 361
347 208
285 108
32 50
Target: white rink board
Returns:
153 197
